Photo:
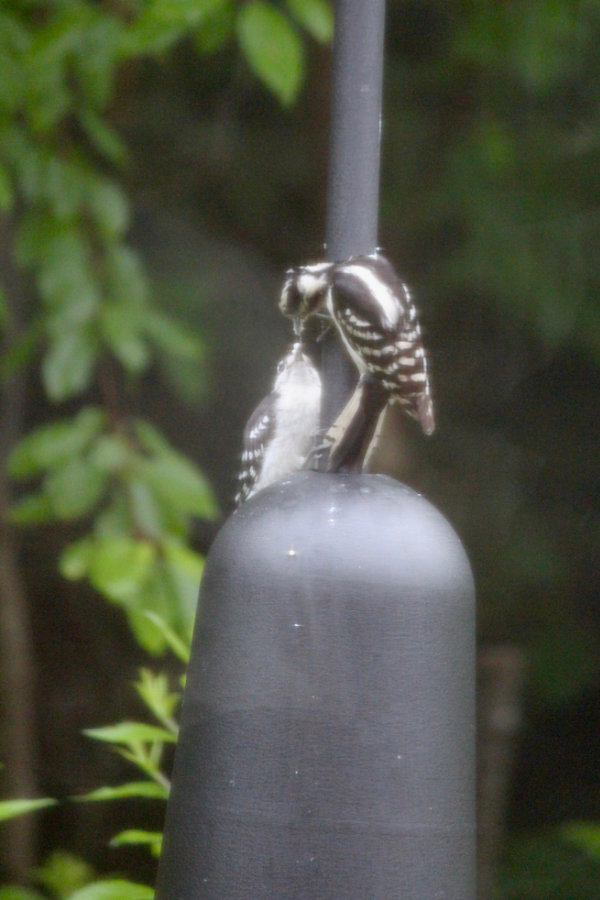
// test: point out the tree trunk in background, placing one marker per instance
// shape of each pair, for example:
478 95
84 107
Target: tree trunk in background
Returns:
500 675
17 708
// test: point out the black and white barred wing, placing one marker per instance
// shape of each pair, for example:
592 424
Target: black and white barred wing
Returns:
258 434
378 322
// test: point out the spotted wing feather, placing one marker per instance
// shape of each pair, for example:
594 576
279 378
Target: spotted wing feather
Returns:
257 435
378 322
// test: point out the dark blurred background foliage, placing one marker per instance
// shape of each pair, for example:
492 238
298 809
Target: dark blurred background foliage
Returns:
202 182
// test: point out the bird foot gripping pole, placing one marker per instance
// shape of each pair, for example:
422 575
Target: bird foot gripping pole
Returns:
327 729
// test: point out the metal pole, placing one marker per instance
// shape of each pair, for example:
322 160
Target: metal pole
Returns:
354 162
353 192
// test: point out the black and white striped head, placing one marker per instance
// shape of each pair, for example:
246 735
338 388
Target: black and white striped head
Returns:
305 289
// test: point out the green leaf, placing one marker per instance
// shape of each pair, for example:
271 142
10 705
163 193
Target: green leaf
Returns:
161 597
154 690
119 566
113 519
216 28
109 208
147 513
152 439
68 365
95 61
75 559
103 137
314 15
6 190
33 509
115 889
63 873
75 488
172 336
272 48
22 349
63 185
12 892
146 634
55 443
41 238
541 865
133 836
179 647
10 809
179 481
72 310
163 22
184 568
126 281
585 835
144 789
121 326
112 452
65 278
127 733
47 96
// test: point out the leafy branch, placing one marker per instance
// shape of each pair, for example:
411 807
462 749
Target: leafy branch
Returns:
83 321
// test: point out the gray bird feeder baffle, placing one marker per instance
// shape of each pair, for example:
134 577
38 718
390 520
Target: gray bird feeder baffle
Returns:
326 749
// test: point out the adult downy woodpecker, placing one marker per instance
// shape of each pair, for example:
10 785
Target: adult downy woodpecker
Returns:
377 320
279 434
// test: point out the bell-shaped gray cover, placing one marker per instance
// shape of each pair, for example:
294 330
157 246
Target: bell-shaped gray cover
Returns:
327 734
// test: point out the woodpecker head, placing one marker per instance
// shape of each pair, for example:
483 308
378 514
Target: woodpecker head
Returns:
295 368
304 290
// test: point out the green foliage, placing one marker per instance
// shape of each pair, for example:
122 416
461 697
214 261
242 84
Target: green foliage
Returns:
531 41
96 328
548 865
141 493
52 445
177 646
114 889
142 745
585 835
66 877
154 691
491 128
9 809
13 892
138 789
272 47
216 28
62 874
136 837
315 15
133 736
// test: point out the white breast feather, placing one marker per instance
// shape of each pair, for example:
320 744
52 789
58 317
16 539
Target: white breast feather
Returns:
297 412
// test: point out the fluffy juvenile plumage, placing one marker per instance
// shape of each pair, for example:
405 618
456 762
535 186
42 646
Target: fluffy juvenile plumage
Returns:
279 434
